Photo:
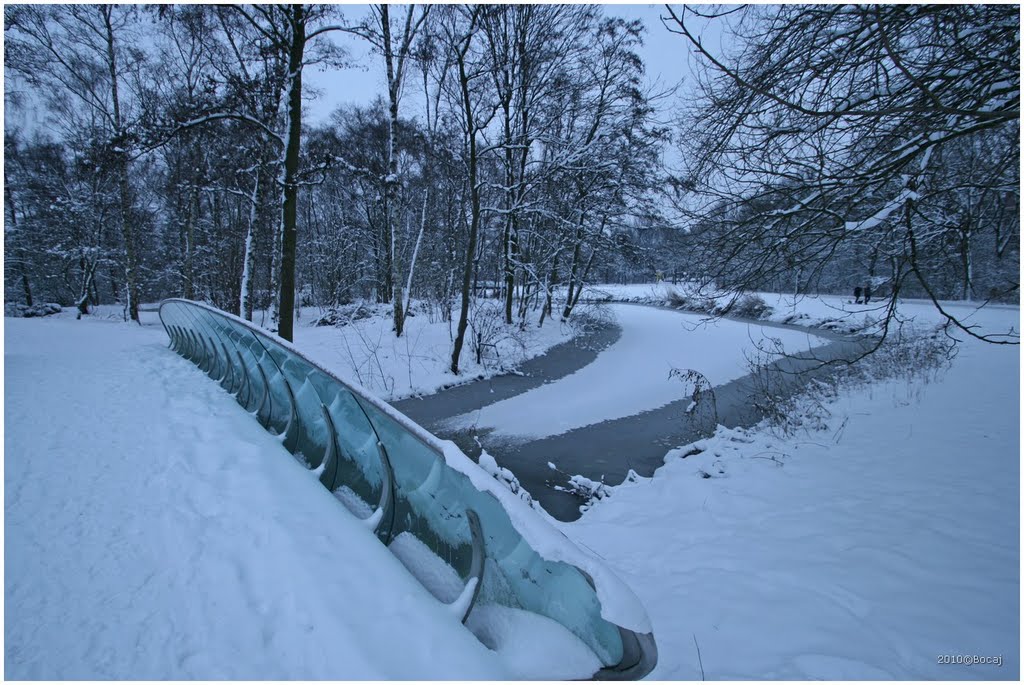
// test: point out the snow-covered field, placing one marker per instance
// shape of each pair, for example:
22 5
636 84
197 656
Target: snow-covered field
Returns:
632 375
154 530
875 549
831 312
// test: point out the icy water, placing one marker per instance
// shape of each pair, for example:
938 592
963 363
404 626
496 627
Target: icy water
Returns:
609 449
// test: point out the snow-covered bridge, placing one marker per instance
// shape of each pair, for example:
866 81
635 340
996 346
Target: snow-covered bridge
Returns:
202 549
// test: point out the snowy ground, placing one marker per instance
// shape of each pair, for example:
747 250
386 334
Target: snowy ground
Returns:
874 549
831 312
870 550
632 375
803 310
367 351
154 530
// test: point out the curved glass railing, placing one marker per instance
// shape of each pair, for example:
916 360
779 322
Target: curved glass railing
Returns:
417 492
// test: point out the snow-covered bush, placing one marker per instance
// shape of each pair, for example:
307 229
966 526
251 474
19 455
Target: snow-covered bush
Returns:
343 315
702 411
589 316
690 300
24 311
912 355
747 306
807 410
586 489
503 475
489 334
592 294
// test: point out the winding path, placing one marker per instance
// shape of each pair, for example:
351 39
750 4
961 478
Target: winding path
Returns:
604 404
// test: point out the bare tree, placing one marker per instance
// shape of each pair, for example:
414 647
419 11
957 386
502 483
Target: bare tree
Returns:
78 56
289 29
396 58
606 151
530 48
831 132
459 29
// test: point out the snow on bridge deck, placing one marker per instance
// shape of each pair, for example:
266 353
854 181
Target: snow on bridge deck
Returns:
154 530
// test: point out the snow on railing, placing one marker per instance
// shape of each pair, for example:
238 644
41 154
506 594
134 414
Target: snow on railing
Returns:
489 549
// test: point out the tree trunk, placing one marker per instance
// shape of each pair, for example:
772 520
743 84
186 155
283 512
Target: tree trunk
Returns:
249 258
286 298
506 238
121 158
9 197
88 272
415 253
573 269
474 194
965 260
191 216
26 287
467 272
391 180
545 311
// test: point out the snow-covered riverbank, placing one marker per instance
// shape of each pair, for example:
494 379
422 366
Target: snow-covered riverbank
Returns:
873 549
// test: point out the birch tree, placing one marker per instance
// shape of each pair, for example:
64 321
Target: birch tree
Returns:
396 58
475 109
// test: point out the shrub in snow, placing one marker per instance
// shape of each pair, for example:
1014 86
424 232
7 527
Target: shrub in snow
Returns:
590 316
489 334
807 410
586 489
503 475
24 311
745 305
343 315
592 294
689 300
748 306
328 318
799 318
914 356
703 408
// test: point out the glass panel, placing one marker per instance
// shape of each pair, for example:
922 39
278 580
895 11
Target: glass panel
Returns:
359 468
422 507
169 315
216 367
277 408
252 392
311 432
207 354
187 326
436 497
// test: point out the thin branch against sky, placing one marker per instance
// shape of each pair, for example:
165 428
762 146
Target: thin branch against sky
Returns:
665 56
